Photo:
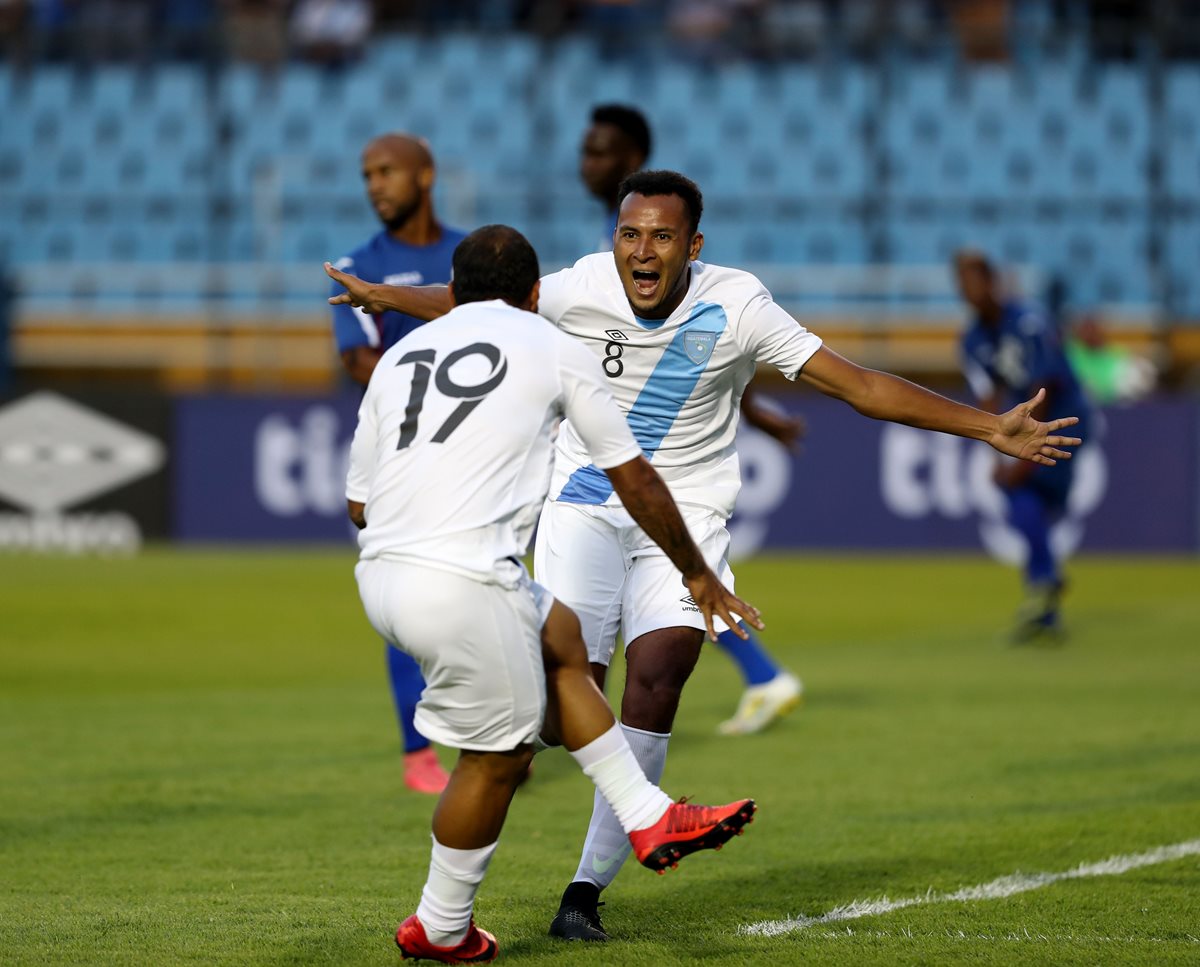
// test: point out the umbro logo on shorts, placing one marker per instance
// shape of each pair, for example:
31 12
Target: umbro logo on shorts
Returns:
615 334
689 603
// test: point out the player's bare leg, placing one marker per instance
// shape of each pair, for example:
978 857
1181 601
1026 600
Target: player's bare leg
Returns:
572 684
466 828
657 666
471 812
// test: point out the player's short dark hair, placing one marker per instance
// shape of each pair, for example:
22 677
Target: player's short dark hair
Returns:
652 183
494 262
629 121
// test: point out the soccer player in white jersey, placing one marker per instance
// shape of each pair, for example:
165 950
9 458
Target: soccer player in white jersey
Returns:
617 144
448 471
678 340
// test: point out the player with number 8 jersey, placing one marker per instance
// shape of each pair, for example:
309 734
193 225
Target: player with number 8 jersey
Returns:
679 380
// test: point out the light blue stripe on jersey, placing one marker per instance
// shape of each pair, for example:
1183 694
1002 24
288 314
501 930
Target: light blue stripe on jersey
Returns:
659 402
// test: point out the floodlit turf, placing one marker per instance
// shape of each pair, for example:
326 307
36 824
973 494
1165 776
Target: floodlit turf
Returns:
199 766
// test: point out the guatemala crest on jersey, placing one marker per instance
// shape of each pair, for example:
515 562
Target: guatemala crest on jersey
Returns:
698 346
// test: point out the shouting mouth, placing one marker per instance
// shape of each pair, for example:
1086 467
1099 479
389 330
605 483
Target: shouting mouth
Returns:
645 282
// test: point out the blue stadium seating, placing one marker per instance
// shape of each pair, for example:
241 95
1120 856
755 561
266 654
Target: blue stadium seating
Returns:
1046 161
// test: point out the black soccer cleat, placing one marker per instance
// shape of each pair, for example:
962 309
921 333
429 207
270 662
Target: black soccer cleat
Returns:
578 916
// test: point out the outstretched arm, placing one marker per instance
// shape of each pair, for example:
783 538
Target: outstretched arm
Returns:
419 301
883 396
650 503
785 429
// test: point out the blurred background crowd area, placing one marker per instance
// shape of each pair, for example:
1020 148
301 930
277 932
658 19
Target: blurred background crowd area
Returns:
173 173
337 31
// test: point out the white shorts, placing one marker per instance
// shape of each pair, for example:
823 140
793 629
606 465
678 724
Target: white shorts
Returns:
601 565
479 647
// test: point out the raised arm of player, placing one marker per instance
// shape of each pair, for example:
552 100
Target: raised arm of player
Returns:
419 301
650 503
883 396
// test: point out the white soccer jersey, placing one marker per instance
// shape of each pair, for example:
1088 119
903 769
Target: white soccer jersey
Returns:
454 445
679 381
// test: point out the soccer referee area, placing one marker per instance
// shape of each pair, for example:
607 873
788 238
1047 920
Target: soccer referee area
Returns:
971 723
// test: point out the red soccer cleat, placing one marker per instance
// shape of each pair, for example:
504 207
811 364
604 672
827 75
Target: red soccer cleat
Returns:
685 829
423 772
477 947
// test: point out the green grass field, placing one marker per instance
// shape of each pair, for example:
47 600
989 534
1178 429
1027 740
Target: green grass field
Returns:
199 766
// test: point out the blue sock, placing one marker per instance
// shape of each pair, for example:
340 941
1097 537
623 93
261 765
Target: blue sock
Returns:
1028 514
755 664
407 683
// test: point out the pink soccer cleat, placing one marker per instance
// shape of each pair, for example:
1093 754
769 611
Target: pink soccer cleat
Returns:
423 772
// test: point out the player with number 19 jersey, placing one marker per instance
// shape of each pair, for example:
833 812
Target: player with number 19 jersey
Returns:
678 380
418 422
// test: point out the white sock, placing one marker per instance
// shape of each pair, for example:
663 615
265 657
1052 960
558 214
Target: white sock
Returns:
607 843
449 894
610 763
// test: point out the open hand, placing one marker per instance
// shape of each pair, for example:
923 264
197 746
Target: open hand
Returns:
1020 435
358 293
712 598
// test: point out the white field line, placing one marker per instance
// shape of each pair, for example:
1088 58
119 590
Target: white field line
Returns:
1005 886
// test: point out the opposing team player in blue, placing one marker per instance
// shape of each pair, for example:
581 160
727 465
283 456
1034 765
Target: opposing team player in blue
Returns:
1008 351
413 248
678 340
616 144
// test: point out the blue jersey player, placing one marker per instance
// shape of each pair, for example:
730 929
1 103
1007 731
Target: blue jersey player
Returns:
1009 351
413 248
616 144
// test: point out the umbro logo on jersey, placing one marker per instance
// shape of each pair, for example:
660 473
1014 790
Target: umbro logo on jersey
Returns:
616 334
689 603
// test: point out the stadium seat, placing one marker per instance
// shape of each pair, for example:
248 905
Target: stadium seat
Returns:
177 89
919 234
389 51
1116 131
1183 255
115 88
1182 154
9 86
53 88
